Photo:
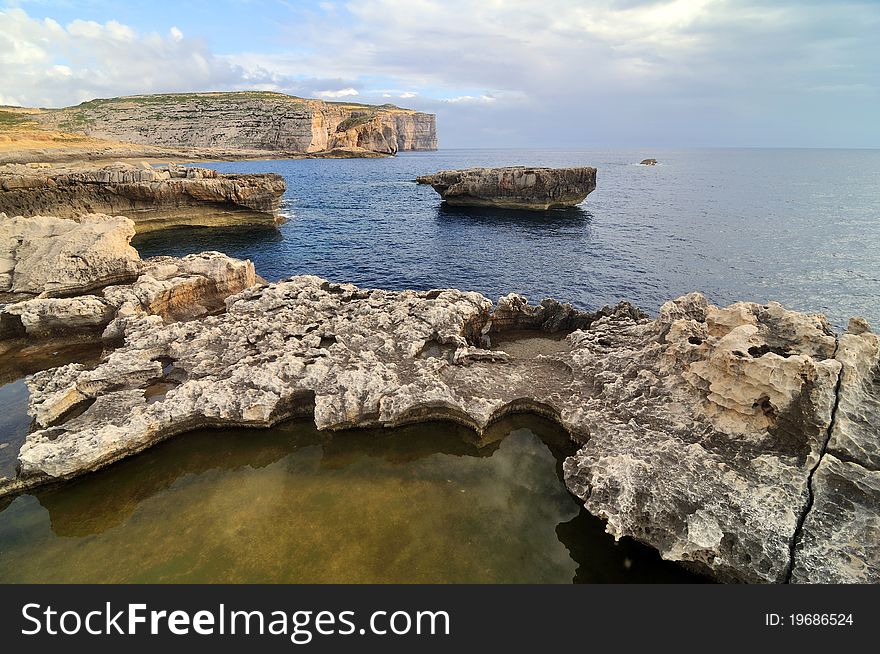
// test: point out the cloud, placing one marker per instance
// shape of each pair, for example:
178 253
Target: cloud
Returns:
339 93
486 98
517 72
43 63
690 72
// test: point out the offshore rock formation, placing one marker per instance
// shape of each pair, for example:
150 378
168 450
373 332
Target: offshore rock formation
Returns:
515 187
260 121
56 268
703 432
648 162
153 198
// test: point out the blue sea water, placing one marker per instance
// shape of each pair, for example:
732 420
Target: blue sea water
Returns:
798 226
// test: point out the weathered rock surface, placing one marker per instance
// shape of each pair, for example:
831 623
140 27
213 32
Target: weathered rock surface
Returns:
52 256
700 429
704 426
260 121
65 277
171 288
515 187
840 542
152 198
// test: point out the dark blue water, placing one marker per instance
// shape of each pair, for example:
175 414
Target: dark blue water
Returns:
798 226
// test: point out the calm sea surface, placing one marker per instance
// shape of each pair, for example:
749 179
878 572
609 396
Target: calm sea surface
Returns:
798 226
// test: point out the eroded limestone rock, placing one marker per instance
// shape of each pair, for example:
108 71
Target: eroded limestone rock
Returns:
702 429
171 288
702 432
247 120
51 256
840 540
516 187
152 198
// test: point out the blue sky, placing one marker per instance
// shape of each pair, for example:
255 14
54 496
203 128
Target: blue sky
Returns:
554 73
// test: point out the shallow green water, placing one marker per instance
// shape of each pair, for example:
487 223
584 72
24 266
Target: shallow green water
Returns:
417 504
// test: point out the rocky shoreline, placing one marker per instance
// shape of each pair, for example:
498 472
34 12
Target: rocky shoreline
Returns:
740 441
154 198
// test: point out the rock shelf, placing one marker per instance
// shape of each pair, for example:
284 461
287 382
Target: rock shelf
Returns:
737 441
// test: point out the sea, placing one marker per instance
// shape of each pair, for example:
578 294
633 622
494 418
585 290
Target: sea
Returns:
798 226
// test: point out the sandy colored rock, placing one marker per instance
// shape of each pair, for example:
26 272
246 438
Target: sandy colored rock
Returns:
839 543
856 433
170 288
261 121
51 256
516 187
154 198
840 540
701 430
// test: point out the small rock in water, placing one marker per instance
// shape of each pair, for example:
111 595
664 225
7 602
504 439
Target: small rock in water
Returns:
648 162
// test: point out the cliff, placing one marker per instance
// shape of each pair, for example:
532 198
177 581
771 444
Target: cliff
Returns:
260 121
154 198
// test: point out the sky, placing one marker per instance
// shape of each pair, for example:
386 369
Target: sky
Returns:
498 73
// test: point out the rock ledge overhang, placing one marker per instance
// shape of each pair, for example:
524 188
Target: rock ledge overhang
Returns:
154 198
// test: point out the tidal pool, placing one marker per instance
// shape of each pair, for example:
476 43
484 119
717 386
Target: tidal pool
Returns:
425 503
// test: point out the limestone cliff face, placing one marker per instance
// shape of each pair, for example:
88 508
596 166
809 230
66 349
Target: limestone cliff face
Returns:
248 121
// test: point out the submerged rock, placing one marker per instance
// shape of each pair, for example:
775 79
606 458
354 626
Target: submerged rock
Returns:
515 187
154 198
700 430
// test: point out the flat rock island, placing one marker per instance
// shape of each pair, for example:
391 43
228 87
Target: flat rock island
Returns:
515 187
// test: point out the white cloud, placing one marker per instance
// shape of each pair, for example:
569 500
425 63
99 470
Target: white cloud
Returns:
555 72
43 63
339 93
485 99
